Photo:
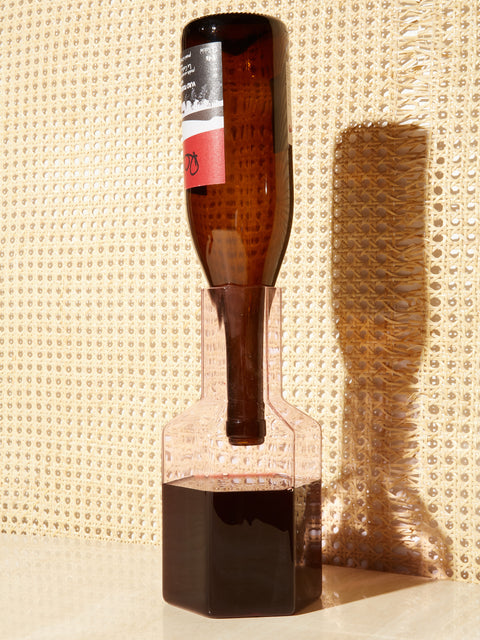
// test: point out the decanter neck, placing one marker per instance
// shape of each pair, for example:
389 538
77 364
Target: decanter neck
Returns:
262 320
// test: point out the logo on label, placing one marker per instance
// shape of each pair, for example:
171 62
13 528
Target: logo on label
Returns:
202 115
191 163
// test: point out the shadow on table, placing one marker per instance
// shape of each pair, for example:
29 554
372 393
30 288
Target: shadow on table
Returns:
342 585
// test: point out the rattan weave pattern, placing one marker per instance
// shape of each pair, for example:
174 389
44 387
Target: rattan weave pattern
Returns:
99 283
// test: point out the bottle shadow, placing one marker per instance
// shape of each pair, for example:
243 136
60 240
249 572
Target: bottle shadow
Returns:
376 516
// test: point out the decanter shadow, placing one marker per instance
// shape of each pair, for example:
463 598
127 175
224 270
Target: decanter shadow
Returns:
376 516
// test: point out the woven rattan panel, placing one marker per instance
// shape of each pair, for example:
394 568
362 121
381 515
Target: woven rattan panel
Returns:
99 283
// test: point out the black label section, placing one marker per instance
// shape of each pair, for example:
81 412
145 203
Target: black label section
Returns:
202 86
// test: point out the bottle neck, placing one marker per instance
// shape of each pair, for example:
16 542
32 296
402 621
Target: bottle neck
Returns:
241 344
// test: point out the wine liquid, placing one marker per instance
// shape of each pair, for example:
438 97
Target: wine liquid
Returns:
236 552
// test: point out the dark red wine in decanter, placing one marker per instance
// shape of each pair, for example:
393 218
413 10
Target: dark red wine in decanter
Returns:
238 181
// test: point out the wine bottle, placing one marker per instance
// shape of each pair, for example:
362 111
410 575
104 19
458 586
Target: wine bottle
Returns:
239 186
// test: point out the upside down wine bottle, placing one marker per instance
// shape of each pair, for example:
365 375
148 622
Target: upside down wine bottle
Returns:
241 467
238 181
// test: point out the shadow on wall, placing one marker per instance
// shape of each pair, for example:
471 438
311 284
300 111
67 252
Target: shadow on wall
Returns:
373 513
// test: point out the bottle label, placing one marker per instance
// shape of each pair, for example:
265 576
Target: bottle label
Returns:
202 115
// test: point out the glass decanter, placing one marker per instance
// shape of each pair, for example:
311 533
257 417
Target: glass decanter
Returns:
241 523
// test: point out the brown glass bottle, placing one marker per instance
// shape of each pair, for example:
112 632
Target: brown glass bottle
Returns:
240 209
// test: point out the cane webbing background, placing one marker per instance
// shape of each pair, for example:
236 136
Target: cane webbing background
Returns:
99 282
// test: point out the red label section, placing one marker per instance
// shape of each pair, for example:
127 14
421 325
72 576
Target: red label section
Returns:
204 159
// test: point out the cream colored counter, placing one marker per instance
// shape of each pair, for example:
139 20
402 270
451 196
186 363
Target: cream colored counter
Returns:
66 589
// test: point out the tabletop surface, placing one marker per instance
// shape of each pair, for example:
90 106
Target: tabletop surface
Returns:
71 589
